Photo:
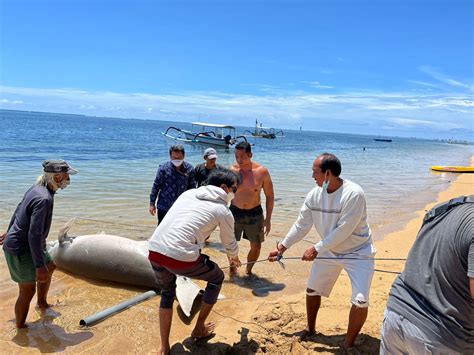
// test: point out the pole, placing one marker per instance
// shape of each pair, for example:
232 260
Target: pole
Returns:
100 316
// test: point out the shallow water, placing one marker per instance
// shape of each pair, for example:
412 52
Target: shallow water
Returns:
118 158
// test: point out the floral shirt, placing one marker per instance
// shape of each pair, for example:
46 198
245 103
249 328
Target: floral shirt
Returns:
170 183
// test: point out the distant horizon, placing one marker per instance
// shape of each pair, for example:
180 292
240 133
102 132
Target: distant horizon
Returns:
241 126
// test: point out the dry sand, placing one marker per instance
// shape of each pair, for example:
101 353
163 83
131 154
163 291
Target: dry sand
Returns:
245 323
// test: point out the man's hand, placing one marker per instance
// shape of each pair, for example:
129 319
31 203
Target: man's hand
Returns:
234 261
275 255
2 238
310 254
42 274
267 226
152 210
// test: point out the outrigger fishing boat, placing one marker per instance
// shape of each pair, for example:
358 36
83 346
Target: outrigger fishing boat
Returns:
264 132
205 133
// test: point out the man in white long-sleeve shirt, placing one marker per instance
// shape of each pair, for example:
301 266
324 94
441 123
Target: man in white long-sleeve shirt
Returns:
175 248
337 209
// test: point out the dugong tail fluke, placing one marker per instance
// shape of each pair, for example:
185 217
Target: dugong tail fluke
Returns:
62 234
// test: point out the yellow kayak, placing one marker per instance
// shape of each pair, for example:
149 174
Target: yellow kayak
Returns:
454 169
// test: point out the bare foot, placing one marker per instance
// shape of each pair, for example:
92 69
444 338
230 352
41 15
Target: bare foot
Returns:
164 350
232 271
203 332
43 305
306 334
21 326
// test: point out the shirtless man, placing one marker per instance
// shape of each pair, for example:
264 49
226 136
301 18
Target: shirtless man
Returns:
246 206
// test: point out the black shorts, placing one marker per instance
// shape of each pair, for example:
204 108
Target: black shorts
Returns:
248 223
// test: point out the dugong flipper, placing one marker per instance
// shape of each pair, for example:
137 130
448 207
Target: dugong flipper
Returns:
186 293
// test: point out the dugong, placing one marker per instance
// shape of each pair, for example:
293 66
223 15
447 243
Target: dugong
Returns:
113 258
104 257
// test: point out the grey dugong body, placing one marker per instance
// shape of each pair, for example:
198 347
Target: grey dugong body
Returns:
105 257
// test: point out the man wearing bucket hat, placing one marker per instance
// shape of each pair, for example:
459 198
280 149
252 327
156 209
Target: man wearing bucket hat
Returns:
203 170
24 244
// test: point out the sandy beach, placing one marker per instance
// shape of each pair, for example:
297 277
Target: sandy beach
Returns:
246 323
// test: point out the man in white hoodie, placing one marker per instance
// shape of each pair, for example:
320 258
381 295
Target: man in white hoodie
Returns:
175 248
337 209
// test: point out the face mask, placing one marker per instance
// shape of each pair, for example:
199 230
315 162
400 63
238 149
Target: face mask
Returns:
325 185
230 196
177 162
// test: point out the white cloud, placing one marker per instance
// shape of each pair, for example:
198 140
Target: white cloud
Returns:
420 123
317 85
435 74
285 109
423 83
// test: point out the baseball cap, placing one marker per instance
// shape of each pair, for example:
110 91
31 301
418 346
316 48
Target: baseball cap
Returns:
58 166
210 153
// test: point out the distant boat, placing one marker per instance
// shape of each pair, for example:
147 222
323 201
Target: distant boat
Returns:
205 133
382 139
264 132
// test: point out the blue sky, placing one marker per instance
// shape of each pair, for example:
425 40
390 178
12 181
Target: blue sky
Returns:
381 67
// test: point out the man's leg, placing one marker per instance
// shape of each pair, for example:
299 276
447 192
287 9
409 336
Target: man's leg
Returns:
166 316
360 273
203 329
166 282
357 317
252 256
22 305
43 288
210 272
312 307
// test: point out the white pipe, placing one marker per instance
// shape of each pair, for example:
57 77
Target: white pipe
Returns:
100 316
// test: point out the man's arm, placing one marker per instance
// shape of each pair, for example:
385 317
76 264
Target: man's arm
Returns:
40 209
227 237
226 226
269 200
301 227
192 178
157 184
471 286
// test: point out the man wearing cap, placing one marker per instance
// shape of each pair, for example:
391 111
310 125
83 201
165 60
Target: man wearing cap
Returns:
172 179
203 170
24 245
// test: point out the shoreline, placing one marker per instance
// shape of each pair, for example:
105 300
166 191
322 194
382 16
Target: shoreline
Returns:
244 322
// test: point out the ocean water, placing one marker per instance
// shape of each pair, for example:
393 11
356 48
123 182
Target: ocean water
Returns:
118 158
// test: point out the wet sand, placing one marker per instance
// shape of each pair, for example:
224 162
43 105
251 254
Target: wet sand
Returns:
246 323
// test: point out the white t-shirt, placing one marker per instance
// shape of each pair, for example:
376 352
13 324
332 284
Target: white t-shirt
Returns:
340 218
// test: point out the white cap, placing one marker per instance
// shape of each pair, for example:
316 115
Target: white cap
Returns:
210 153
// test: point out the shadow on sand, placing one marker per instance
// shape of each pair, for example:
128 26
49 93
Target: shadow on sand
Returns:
365 344
243 346
48 337
260 286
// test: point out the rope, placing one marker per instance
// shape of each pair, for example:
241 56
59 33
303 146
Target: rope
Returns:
327 258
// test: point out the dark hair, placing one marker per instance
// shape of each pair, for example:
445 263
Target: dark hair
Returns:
223 176
244 146
177 148
331 162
